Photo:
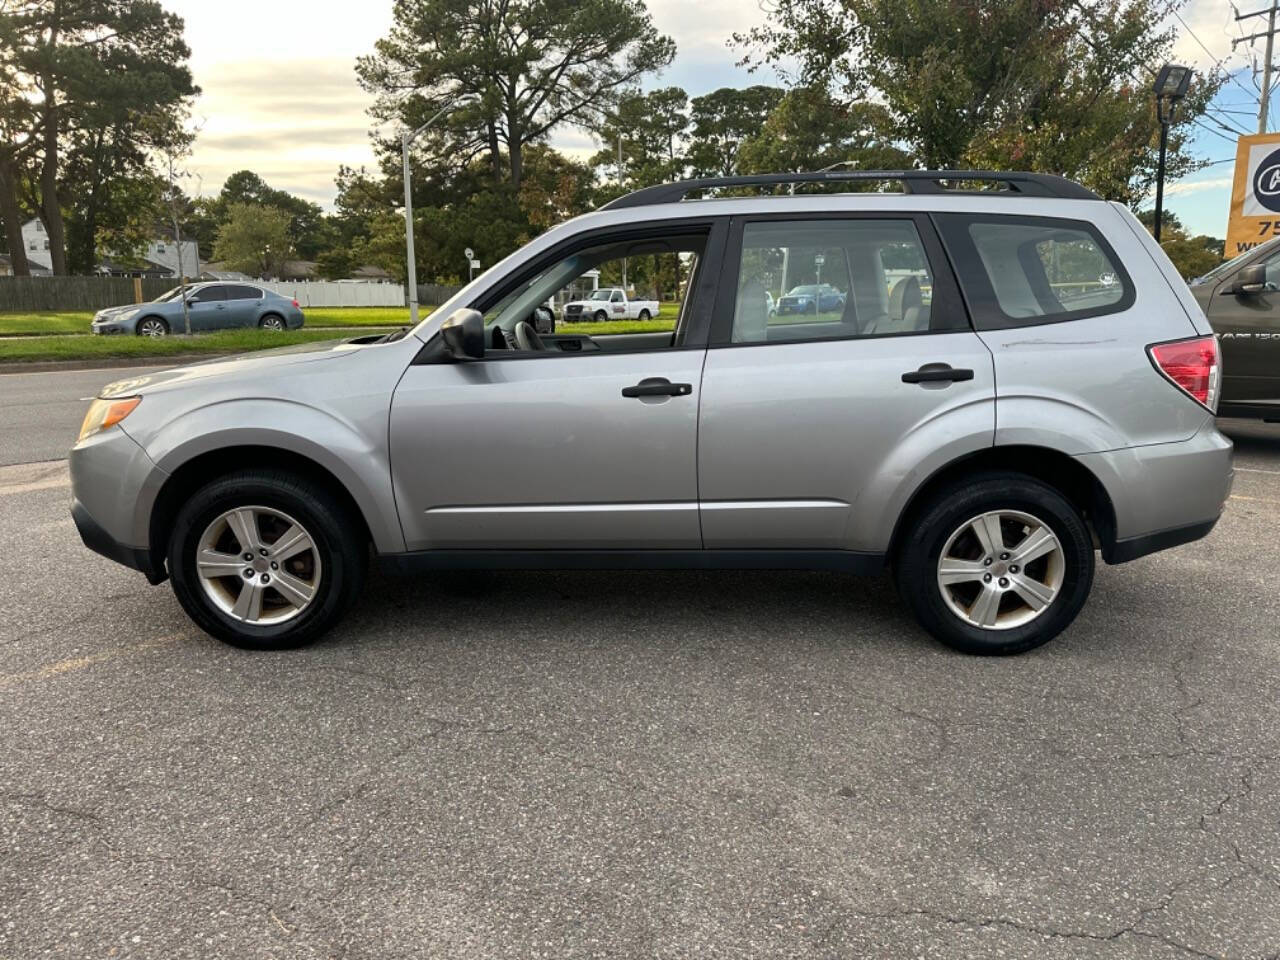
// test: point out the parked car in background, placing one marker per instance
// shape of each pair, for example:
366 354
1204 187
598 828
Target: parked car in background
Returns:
811 298
609 303
1241 298
212 306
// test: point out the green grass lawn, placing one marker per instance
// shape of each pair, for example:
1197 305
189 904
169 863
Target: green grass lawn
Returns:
46 324
53 336
31 349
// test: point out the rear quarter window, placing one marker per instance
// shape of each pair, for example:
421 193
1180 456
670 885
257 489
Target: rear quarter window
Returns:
1020 271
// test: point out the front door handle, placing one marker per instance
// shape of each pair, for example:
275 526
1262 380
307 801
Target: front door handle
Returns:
936 373
658 387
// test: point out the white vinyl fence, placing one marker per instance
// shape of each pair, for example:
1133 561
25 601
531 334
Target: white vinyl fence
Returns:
329 293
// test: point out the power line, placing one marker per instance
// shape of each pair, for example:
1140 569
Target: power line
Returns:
1216 62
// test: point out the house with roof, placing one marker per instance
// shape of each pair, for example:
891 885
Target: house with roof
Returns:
160 259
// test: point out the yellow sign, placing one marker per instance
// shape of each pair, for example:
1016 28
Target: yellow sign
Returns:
1255 194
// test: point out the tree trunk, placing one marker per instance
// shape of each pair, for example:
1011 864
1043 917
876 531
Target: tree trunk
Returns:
12 217
516 154
50 209
495 153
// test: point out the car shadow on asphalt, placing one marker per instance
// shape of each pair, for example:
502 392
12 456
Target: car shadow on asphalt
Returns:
825 607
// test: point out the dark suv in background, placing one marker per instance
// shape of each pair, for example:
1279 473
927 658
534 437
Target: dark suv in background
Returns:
1241 298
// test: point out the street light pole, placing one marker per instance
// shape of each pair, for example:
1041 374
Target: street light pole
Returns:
406 139
1171 86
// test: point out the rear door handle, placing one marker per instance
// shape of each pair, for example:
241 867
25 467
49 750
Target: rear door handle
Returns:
658 387
937 372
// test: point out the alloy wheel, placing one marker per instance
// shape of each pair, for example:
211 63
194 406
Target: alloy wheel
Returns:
152 328
258 565
1001 569
272 323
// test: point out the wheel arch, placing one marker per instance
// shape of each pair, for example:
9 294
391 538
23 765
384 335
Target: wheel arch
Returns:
138 321
1054 468
210 465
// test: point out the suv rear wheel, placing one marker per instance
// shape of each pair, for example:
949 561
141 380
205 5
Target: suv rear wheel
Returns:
266 560
997 565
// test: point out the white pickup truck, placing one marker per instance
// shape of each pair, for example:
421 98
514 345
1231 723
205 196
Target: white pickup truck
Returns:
609 303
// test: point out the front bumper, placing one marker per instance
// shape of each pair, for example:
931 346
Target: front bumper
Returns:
101 542
108 328
114 484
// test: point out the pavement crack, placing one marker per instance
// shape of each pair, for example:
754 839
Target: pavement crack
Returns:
42 801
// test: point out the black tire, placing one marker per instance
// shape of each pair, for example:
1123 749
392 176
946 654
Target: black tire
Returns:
339 541
644 315
164 327
930 527
265 322
600 316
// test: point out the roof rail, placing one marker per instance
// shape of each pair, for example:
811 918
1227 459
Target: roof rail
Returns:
913 181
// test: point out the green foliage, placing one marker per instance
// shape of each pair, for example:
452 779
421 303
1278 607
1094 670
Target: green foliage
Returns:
809 129
253 239
100 86
1047 85
644 133
532 66
1191 256
310 231
721 121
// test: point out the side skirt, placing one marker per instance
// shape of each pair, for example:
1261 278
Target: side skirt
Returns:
847 561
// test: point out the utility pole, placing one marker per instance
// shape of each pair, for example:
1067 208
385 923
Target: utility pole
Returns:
1270 35
406 140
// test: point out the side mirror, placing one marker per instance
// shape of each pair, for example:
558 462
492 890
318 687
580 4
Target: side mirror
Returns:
463 334
1250 281
543 320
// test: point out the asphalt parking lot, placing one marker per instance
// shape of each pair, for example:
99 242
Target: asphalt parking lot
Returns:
633 765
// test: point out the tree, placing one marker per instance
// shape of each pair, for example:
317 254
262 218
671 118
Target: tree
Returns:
1191 256
721 121
1059 86
310 231
644 132
254 239
85 66
532 66
809 130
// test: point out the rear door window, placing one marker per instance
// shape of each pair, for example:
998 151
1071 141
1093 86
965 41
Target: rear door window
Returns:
1020 271
238 292
836 278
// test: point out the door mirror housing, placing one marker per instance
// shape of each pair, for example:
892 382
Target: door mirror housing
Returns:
1250 281
463 334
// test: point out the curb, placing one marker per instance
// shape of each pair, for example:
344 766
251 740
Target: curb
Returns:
106 363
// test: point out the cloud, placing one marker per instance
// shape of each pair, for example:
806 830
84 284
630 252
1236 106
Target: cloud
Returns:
1198 186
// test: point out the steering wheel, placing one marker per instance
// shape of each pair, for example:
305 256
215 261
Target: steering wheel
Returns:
527 338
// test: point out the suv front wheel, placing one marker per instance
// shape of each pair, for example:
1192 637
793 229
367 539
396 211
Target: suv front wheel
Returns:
997 565
265 559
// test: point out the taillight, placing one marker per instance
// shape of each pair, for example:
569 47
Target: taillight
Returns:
296 303
1191 365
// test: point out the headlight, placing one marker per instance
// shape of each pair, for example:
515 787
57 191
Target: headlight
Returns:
106 413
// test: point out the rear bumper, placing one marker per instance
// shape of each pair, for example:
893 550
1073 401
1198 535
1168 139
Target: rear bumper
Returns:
1122 551
1164 494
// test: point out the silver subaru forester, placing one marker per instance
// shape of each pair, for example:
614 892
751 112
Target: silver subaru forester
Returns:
1009 377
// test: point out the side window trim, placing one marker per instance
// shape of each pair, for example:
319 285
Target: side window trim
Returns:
980 297
946 293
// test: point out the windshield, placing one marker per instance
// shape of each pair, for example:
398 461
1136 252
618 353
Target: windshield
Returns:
170 295
601 295
801 291
1227 266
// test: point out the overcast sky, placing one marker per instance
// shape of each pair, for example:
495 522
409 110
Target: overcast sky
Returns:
280 97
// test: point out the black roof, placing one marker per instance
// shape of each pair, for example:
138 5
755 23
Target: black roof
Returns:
913 181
